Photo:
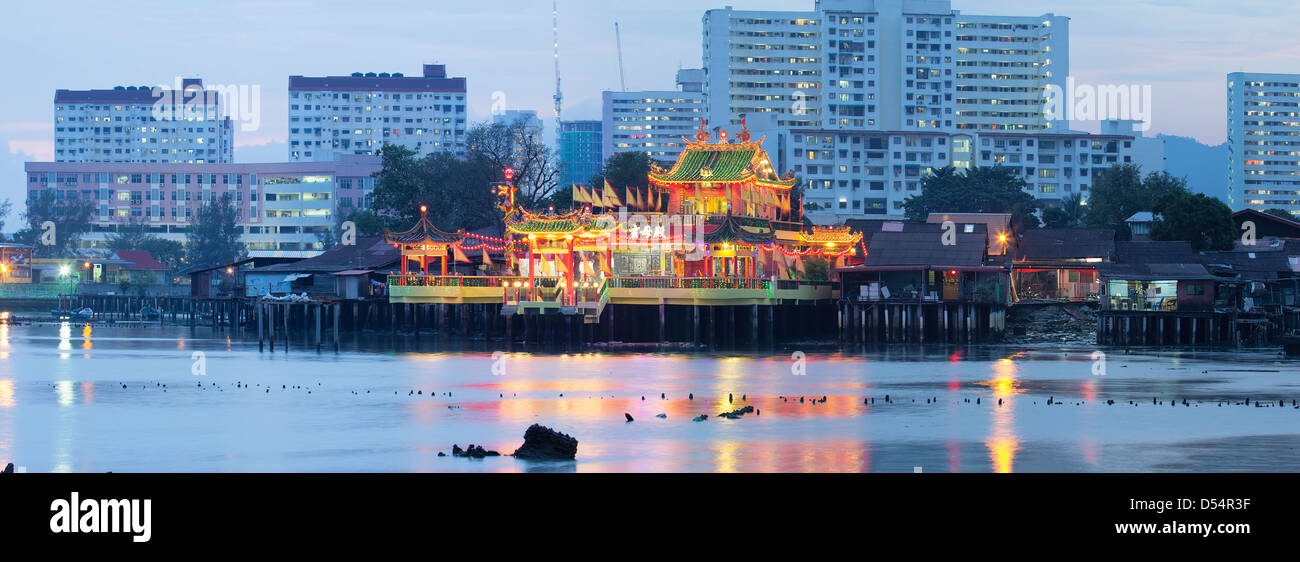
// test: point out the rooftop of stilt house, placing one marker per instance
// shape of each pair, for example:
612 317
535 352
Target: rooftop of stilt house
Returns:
423 233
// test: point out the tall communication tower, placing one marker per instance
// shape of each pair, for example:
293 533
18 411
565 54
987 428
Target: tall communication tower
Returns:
555 35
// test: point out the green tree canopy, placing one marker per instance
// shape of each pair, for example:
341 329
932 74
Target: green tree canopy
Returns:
1121 192
1204 221
458 191
1281 213
625 169
1070 214
214 237
71 220
976 190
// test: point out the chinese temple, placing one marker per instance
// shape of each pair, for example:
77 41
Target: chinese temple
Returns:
720 228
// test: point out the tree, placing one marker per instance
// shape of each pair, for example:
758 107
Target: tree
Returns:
977 190
520 147
1204 221
624 170
1070 214
458 191
1121 192
214 238
1281 213
71 220
5 208
368 224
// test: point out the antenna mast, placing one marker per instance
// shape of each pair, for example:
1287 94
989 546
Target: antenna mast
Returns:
555 36
618 38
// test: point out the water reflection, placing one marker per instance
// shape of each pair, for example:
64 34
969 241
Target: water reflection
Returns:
65 340
7 394
1002 441
359 416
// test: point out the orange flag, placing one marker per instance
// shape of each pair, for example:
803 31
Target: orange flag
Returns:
611 198
460 255
486 260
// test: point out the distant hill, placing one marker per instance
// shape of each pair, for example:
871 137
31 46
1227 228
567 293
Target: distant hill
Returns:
1205 167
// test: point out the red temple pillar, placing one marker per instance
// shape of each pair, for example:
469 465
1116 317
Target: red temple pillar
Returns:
571 288
532 269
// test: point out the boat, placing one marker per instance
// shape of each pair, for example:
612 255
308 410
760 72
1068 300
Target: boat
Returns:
79 314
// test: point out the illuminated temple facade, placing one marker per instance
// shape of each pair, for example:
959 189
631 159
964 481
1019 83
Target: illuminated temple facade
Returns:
721 227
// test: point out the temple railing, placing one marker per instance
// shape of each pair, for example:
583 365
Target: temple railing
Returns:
594 293
417 280
752 283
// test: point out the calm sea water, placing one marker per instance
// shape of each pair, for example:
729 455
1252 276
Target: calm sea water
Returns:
81 399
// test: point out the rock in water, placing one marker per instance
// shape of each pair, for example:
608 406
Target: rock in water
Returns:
662 416
9 468
737 413
701 417
628 416
545 444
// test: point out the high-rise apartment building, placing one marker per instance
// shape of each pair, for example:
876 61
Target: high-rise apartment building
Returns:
1004 65
884 65
1264 141
284 209
142 124
580 152
358 114
849 174
653 121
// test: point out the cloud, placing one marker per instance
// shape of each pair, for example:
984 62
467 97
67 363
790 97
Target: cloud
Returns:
40 150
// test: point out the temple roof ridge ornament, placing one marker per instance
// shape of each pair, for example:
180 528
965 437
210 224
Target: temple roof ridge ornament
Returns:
743 137
702 136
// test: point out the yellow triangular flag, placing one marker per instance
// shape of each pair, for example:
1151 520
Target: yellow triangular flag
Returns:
611 198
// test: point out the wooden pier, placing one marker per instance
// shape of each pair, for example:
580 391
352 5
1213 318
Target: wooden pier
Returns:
914 321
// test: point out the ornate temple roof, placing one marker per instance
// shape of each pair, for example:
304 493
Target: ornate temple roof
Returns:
520 221
423 233
739 162
733 230
837 235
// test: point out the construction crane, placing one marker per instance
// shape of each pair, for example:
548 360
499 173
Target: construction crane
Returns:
618 39
555 37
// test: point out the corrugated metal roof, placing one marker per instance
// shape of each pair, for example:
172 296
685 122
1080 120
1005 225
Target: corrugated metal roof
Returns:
1066 243
925 249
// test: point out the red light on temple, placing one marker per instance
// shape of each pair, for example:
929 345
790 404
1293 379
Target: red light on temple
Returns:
510 174
424 208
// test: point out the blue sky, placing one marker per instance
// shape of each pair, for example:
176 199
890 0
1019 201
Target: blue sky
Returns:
1183 48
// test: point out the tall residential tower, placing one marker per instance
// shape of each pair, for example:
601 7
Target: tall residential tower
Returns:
1264 141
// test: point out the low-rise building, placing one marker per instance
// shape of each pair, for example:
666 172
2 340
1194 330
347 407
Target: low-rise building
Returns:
285 210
